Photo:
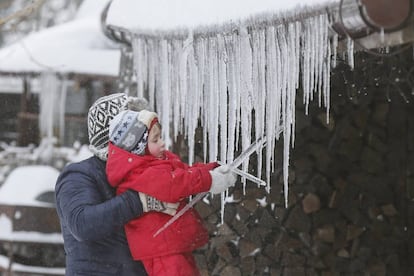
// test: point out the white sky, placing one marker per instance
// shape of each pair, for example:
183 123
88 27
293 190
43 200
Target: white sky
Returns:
170 14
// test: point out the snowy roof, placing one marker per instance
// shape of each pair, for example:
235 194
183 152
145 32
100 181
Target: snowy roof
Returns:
78 47
168 15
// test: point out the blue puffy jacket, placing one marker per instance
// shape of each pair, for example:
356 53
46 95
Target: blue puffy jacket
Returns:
92 219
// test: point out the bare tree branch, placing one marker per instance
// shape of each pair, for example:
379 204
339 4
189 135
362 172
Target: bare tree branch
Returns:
26 11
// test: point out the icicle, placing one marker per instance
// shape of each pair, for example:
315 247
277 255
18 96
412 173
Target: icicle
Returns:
279 86
49 100
211 95
306 66
382 35
145 57
237 71
259 88
62 107
294 46
139 64
313 55
222 205
222 88
219 79
186 51
320 60
192 107
191 99
350 52
334 44
206 99
175 85
200 60
285 100
233 99
163 99
216 120
198 82
158 76
297 53
246 88
250 177
271 94
327 72
152 63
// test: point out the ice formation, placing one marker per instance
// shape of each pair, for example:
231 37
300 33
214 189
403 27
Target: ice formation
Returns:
240 84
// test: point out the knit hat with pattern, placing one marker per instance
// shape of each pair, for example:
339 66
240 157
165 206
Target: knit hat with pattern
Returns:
101 113
129 130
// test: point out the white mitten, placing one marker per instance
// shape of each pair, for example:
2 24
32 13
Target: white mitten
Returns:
150 203
221 179
222 169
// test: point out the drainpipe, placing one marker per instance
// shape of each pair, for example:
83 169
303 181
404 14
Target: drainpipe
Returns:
375 23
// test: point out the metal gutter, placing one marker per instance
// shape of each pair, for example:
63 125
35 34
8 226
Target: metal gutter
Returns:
373 23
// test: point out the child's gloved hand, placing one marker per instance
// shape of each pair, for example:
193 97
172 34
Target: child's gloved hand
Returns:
221 179
150 203
222 169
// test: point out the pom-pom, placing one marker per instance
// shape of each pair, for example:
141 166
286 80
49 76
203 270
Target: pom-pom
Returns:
137 104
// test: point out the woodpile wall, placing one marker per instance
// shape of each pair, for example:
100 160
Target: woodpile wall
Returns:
351 209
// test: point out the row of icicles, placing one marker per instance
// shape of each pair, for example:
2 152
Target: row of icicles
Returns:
221 79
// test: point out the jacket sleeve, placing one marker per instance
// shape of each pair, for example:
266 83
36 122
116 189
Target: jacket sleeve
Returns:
87 209
210 166
170 185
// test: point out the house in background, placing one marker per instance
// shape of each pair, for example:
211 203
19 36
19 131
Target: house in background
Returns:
51 77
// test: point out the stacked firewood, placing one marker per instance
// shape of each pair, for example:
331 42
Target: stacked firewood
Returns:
350 200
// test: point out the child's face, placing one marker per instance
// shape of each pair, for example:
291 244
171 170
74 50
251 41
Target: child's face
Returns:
156 145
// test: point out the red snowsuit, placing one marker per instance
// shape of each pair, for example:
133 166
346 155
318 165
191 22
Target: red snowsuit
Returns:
169 180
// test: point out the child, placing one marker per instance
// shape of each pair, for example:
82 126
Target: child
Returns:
138 160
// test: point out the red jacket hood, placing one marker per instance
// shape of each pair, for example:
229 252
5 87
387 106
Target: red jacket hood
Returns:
120 163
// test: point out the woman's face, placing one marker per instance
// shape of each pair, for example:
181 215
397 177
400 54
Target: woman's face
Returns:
156 145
